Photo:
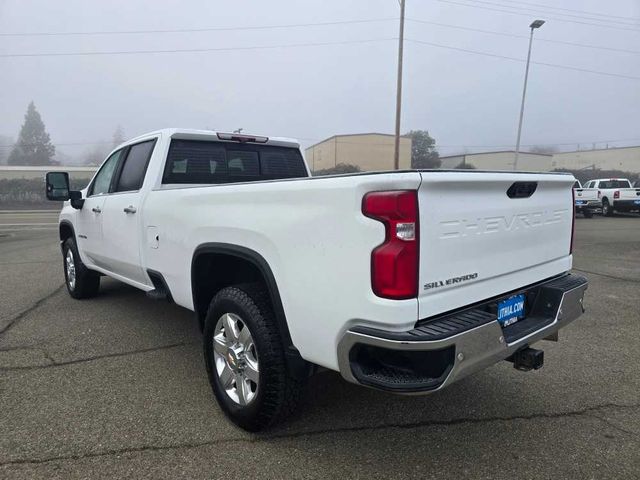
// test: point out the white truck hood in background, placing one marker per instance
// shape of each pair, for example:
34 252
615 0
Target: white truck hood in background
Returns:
477 243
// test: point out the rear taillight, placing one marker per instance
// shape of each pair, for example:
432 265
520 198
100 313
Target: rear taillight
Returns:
616 194
573 219
394 263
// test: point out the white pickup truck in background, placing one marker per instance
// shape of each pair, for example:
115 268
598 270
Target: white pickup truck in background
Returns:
402 281
616 194
587 200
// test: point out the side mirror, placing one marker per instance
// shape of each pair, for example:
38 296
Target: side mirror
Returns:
58 186
58 189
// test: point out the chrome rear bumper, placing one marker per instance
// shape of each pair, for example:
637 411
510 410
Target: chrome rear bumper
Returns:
457 344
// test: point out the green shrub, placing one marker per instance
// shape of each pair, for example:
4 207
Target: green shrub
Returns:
341 168
29 192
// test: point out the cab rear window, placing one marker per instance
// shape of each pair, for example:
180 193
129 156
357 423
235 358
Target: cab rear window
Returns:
206 162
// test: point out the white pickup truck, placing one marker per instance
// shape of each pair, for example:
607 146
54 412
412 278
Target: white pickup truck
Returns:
587 200
616 194
402 281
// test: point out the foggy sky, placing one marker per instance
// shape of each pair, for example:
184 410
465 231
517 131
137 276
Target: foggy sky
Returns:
311 93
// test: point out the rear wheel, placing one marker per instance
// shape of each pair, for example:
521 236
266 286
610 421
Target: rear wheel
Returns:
245 359
607 209
81 282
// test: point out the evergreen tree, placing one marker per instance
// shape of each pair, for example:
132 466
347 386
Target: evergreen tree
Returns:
118 136
34 144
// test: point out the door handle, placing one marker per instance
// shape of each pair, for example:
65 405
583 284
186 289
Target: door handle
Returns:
96 210
130 209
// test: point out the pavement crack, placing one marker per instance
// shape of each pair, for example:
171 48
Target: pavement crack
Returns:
460 421
254 438
20 347
614 277
13 321
613 425
36 262
55 363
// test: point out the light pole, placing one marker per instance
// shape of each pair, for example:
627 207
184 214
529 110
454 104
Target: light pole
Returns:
535 24
396 150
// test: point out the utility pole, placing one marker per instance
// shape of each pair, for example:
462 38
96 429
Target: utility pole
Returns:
535 24
396 151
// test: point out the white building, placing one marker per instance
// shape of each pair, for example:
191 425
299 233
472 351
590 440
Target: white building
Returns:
28 172
530 162
626 159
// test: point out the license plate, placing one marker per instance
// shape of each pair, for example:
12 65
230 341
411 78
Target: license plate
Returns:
580 202
511 310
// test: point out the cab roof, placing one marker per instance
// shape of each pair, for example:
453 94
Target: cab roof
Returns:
213 135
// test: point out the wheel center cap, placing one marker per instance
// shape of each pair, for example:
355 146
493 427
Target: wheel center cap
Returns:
234 360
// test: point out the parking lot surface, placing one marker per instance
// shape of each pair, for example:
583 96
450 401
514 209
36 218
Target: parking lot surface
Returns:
116 387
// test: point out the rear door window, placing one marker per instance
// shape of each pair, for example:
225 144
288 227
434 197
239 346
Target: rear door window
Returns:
135 166
210 162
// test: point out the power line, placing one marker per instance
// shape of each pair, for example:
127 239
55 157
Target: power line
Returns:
192 30
194 50
539 144
505 34
55 144
297 45
528 15
573 10
538 9
515 59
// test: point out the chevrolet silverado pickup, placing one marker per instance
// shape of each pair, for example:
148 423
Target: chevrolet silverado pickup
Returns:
616 194
587 200
403 281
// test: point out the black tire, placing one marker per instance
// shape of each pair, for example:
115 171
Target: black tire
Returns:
86 282
587 213
607 209
277 393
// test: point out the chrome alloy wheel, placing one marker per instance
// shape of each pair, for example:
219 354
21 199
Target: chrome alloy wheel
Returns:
71 269
236 359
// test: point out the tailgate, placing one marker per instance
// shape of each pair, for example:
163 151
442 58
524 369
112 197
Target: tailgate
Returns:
478 241
630 194
586 194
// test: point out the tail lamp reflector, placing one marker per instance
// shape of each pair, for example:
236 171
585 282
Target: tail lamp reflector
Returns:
573 218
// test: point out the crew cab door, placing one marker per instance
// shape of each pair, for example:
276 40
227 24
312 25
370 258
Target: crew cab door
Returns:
122 222
88 225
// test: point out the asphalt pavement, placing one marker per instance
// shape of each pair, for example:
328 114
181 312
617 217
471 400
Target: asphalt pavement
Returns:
116 387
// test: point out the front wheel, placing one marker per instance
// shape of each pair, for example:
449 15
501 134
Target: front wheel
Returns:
245 359
81 282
